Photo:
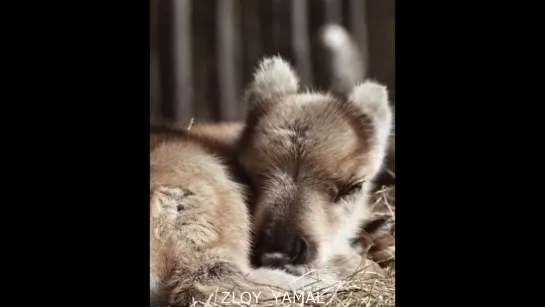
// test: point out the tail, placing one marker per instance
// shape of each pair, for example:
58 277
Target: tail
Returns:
347 66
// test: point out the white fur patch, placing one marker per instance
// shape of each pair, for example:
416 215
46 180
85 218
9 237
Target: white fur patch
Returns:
372 97
274 77
153 283
340 242
155 296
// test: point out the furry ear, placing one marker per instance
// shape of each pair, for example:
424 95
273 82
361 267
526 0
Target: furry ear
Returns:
274 77
372 99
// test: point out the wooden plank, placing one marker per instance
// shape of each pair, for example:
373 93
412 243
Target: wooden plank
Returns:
205 84
228 59
358 27
253 37
155 81
301 42
183 89
333 11
281 28
155 95
165 58
380 17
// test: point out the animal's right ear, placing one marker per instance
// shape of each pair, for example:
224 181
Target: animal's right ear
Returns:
273 78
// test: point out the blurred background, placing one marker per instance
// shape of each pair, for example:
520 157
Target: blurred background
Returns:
203 52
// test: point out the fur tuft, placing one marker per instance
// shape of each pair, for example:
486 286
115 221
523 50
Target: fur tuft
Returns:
274 77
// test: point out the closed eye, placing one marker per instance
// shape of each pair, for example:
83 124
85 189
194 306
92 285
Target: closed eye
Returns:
351 189
356 187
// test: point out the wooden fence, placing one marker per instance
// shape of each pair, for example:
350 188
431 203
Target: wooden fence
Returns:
202 52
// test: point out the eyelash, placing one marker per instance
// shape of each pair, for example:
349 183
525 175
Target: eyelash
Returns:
348 190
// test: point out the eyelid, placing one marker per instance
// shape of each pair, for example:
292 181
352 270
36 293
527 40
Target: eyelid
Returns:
358 185
342 190
362 181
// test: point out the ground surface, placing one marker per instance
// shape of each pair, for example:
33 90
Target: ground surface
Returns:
371 290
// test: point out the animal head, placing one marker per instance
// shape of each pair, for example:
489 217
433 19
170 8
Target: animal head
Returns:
311 157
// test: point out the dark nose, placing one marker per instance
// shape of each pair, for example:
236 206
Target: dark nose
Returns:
279 249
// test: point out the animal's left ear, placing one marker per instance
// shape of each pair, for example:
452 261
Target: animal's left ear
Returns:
372 99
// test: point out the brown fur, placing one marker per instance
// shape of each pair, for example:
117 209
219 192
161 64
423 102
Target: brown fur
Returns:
218 137
200 227
221 138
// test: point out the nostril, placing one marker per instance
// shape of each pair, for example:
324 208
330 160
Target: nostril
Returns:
300 250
